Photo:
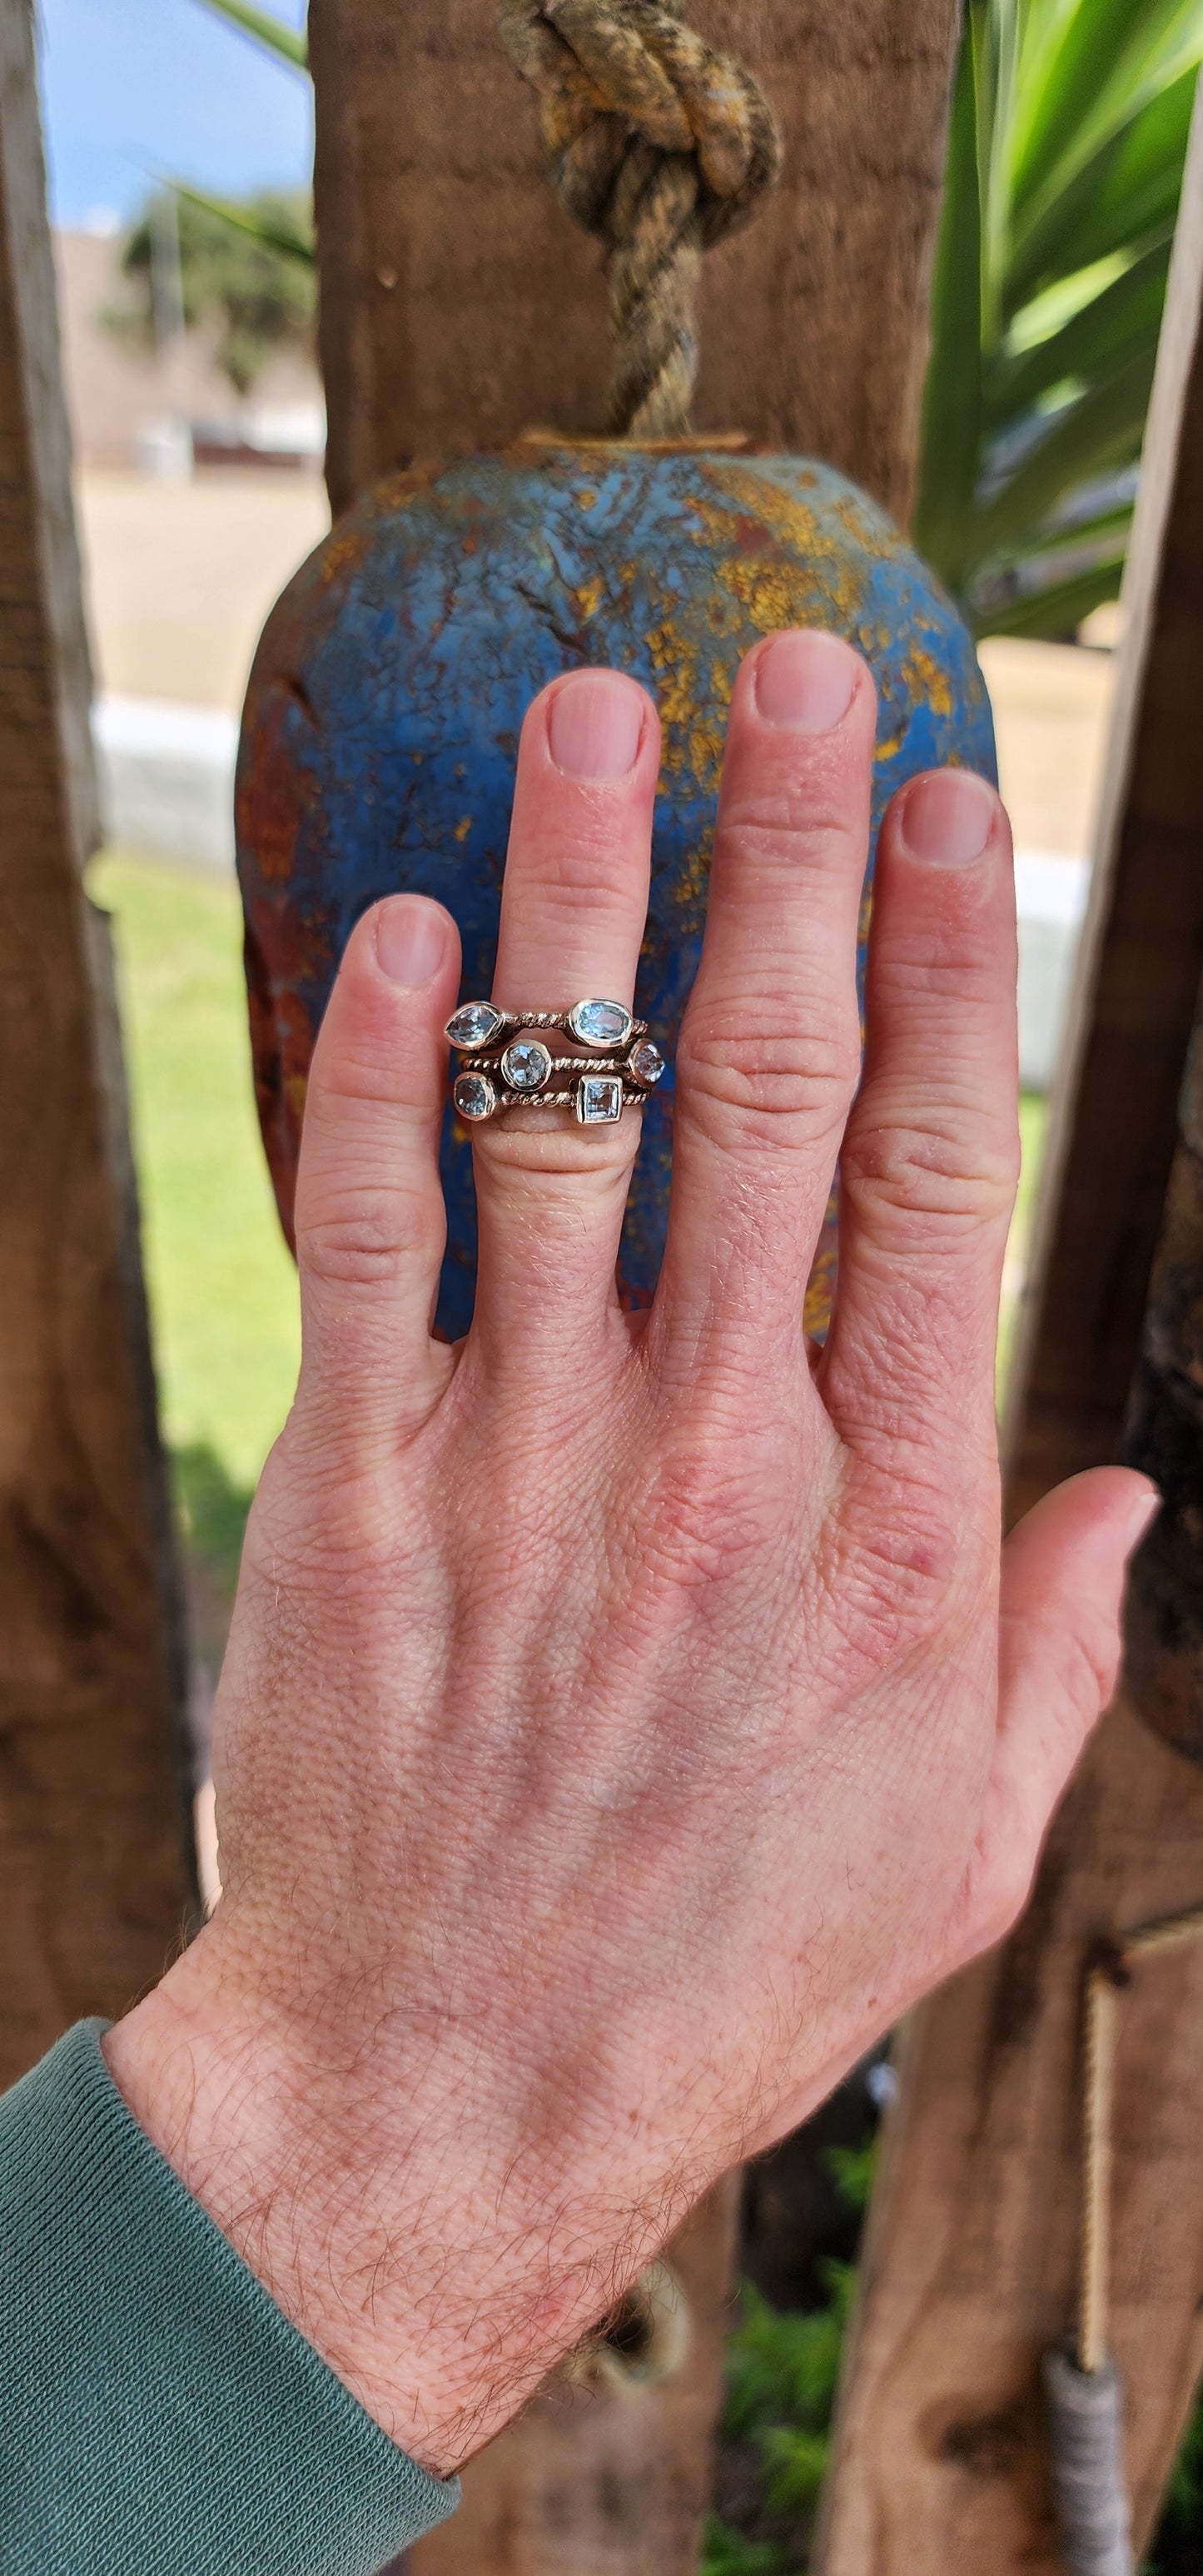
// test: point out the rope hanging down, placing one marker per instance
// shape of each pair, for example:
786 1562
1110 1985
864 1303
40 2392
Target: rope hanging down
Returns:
1083 2395
660 147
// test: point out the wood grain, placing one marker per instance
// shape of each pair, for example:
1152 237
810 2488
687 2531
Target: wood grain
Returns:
968 2265
459 306
939 2458
92 1850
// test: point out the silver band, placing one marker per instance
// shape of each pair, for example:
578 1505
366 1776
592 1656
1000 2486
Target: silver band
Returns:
505 1062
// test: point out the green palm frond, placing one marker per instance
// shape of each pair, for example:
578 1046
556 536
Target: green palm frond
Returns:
268 31
1066 149
247 218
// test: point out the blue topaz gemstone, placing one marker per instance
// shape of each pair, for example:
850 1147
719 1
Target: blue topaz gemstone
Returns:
526 1064
474 1095
599 1099
473 1025
600 1024
647 1063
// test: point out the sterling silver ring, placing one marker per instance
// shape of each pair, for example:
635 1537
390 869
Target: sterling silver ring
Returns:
506 1064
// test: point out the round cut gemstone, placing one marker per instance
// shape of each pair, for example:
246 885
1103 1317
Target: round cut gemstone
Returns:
647 1063
600 1024
473 1025
599 1099
526 1064
474 1095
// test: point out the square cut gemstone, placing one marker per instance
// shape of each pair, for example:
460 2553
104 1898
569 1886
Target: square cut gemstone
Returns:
474 1095
600 1024
526 1064
473 1024
599 1099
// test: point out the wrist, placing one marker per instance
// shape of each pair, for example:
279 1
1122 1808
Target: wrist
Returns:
361 2202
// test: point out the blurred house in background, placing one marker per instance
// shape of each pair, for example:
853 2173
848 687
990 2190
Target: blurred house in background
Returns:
134 409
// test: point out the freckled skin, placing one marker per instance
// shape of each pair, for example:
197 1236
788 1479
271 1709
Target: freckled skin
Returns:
389 689
624 1710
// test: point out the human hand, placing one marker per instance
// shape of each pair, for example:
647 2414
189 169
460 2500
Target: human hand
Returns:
621 1723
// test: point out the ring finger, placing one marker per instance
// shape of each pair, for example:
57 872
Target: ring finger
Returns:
551 1193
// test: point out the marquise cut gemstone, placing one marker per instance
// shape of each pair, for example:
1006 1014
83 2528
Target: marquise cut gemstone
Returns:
599 1099
526 1064
473 1024
474 1095
647 1063
600 1024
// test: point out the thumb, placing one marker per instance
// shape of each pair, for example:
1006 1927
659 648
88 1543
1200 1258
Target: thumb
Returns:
1058 1658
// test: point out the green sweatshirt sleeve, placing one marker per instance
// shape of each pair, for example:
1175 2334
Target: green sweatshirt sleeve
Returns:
158 2414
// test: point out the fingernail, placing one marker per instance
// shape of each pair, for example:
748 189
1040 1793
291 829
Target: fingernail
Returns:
948 818
1144 1512
411 936
806 679
594 725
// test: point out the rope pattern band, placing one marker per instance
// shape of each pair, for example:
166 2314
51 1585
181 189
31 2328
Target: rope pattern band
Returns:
505 1063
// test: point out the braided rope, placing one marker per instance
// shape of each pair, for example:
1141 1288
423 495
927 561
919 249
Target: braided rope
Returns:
657 145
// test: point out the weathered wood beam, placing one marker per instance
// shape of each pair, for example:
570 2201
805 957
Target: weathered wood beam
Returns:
968 2265
459 306
92 1826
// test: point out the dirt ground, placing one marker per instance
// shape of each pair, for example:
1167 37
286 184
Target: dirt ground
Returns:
180 579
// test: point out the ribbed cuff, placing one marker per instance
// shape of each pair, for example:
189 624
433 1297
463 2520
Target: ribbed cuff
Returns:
157 2410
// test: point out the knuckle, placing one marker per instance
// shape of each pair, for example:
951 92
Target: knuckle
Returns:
787 823
580 879
893 1568
1088 1665
701 1519
999 1885
942 1166
365 1242
758 1073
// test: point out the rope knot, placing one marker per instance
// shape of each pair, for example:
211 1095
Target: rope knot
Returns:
657 145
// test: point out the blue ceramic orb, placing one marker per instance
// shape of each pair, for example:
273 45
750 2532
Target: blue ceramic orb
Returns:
384 707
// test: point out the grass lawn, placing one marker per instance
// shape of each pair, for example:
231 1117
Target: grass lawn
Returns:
222 1286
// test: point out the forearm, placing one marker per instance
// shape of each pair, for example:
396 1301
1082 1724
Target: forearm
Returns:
157 2410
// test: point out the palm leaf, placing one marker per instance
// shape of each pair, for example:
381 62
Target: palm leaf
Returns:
1085 77
950 439
1114 326
285 42
1055 611
1097 434
1124 197
245 220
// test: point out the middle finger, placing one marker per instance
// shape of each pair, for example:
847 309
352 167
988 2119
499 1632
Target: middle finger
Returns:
551 1193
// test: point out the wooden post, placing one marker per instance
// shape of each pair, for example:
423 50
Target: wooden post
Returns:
969 2259
459 306
92 1842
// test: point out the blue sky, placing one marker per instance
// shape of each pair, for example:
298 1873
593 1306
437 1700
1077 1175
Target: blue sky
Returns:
137 86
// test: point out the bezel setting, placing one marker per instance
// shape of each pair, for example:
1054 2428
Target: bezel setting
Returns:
646 1062
526 1064
506 1066
599 1099
474 1096
587 1021
473 1026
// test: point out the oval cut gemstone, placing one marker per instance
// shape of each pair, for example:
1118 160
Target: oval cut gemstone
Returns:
473 1024
526 1064
474 1095
647 1063
599 1099
600 1024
